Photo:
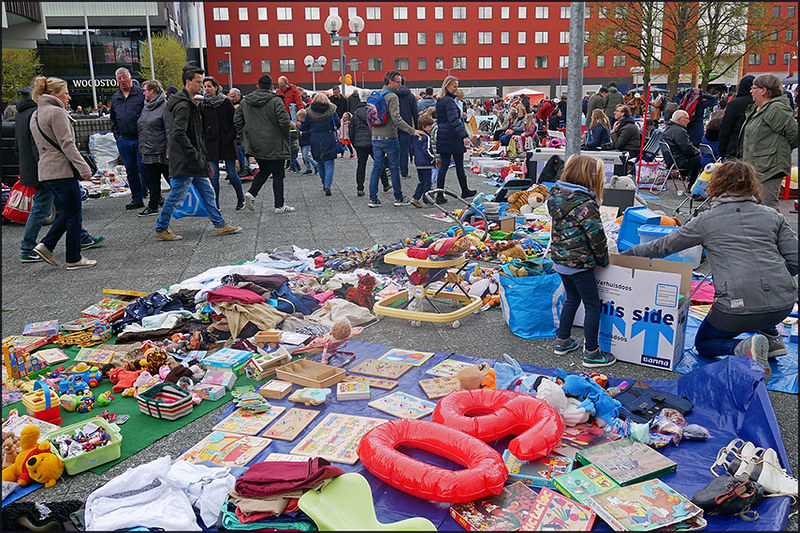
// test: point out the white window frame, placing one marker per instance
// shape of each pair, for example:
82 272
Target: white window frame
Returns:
601 61
602 12
284 13
522 62
398 68
374 39
222 40
563 61
522 12
438 63
541 37
563 37
352 12
484 62
262 13
505 37
401 38
522 37
373 12
422 63
313 39
333 11
312 13
504 60
263 40
565 12
542 12
285 39
438 12
375 64
505 12
624 60
459 12
459 33
546 62
424 38
484 37
244 40
421 13
460 63
243 11
485 12
287 65
438 37
585 61
268 64
247 62
400 13
220 13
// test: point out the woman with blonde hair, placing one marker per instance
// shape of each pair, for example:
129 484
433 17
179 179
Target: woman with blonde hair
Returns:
451 138
60 167
599 135
322 123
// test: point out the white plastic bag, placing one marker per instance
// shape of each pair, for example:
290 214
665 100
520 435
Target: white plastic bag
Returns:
103 148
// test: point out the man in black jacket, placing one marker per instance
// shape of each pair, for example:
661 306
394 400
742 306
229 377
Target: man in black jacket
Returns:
733 119
339 101
409 111
188 160
43 197
126 106
686 155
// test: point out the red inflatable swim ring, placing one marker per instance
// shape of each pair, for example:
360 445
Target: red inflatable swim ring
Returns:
490 414
484 473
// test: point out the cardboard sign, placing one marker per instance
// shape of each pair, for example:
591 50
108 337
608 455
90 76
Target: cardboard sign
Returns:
643 307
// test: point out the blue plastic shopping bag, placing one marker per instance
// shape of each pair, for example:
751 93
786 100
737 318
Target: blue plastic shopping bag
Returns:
531 305
192 205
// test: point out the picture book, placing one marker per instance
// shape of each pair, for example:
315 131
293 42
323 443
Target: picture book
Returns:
382 369
290 425
447 368
80 324
581 437
225 449
627 461
15 424
409 357
247 422
506 511
48 328
226 358
352 390
403 405
539 472
438 387
109 309
336 437
583 482
97 356
555 512
52 356
644 506
26 343
376 383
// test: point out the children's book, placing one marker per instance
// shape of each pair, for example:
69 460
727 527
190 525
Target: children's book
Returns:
382 369
290 425
409 357
555 512
506 511
247 422
645 506
97 356
376 383
52 356
583 482
48 328
225 449
226 358
581 437
403 405
15 424
447 368
627 461
109 309
26 343
539 472
439 387
336 437
80 324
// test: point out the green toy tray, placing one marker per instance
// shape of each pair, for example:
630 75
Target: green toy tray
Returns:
96 457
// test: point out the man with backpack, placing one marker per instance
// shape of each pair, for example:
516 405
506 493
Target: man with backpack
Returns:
383 116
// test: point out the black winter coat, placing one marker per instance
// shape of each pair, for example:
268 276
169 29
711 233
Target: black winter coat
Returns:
323 123
451 132
680 144
340 103
360 133
732 120
408 106
627 138
27 153
219 132
187 148
125 113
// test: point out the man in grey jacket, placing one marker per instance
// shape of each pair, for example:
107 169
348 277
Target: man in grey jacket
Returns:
612 100
385 143
596 101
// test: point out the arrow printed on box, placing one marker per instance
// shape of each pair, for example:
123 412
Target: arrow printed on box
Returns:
652 331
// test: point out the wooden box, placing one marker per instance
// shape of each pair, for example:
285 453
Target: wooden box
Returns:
275 389
310 374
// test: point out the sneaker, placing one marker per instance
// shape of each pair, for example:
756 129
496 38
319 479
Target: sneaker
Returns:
440 199
769 474
756 348
168 235
360 193
564 346
327 191
30 257
240 204
374 203
134 205
416 203
307 172
46 255
387 187
401 202
83 263
148 212
92 242
284 209
227 229
248 201
597 358
776 345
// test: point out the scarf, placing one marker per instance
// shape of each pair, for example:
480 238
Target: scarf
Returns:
214 101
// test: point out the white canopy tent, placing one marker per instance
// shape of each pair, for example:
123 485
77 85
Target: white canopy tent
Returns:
529 92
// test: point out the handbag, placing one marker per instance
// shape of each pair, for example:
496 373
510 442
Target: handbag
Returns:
20 201
641 402
531 305
191 206
75 172
340 149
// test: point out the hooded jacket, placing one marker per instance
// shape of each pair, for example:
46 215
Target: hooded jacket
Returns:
577 236
627 138
322 122
612 100
125 113
736 226
360 133
422 152
733 119
408 106
55 122
291 95
263 123
679 143
187 148
768 136
24 145
595 102
451 132
154 126
218 130
395 121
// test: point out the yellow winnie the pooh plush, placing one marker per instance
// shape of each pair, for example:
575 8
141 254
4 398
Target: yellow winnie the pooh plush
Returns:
35 462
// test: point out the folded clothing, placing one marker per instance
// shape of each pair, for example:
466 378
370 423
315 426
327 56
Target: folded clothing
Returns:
228 293
297 521
276 477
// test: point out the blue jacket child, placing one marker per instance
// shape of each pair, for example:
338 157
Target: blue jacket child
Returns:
424 160
422 152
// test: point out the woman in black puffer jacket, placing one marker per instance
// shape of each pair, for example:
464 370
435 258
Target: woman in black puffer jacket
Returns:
220 137
733 119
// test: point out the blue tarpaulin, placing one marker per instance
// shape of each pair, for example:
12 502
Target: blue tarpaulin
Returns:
730 400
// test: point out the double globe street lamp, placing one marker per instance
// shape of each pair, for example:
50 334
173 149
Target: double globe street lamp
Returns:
314 66
332 25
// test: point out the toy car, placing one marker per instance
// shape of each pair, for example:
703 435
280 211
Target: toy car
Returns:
73 384
102 333
90 374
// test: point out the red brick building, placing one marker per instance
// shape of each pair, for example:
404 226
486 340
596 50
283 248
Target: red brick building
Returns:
506 45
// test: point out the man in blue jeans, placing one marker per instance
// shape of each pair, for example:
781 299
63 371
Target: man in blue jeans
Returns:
188 159
409 111
385 144
126 106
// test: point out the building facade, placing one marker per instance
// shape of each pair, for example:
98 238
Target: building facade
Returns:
491 44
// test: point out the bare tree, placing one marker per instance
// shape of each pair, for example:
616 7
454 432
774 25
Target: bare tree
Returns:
680 38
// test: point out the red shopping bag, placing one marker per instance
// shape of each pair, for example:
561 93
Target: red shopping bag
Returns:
19 203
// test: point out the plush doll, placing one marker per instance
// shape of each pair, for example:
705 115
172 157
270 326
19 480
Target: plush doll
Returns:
480 376
362 293
11 448
154 358
526 201
449 246
569 408
28 466
45 468
508 250
625 183
595 399
122 379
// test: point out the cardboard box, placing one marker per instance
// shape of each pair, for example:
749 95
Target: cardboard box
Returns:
208 391
644 306
507 223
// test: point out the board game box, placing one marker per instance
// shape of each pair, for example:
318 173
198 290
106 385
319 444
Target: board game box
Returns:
109 309
581 437
627 461
583 482
539 472
506 511
555 512
48 328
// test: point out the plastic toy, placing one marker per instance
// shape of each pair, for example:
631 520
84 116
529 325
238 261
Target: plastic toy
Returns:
21 364
595 400
73 384
345 504
90 374
101 333
105 399
43 470
484 472
69 402
539 427
85 402
310 396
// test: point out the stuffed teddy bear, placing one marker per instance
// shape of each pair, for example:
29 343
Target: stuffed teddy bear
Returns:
626 183
526 201
508 250
480 376
28 466
11 448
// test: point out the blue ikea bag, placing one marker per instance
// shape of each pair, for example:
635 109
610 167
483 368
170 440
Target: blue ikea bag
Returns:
531 305
192 205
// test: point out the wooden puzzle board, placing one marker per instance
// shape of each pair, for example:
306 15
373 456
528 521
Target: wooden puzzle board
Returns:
377 383
382 369
403 405
336 437
409 357
290 425
225 449
247 422
439 387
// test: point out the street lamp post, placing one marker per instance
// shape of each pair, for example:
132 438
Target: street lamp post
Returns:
314 66
230 70
635 71
332 25
558 92
792 58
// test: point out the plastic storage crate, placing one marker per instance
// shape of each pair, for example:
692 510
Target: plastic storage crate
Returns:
96 457
631 220
650 232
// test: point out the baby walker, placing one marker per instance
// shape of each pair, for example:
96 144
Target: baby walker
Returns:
412 300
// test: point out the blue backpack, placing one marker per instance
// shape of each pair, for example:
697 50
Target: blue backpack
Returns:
377 112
